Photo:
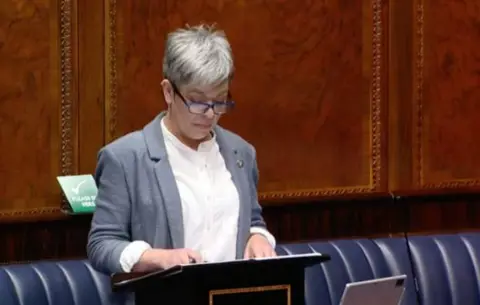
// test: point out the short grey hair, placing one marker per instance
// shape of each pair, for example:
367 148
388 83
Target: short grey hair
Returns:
198 55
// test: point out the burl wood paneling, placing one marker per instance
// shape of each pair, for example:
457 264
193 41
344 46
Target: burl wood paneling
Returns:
37 104
447 93
434 94
91 84
309 84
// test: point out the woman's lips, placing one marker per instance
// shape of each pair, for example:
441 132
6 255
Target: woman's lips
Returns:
203 126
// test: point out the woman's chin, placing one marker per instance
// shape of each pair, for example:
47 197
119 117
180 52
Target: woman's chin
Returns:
199 135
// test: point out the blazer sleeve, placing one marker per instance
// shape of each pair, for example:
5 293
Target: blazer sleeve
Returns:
257 218
110 228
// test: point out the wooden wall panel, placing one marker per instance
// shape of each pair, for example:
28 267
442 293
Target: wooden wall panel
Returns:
360 97
446 93
91 84
434 94
310 84
38 104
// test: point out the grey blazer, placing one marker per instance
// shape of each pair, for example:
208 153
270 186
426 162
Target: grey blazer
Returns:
138 198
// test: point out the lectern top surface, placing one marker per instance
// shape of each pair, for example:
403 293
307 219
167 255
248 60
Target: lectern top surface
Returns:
296 261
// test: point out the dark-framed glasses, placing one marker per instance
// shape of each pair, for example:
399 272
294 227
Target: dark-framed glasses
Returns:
199 107
202 107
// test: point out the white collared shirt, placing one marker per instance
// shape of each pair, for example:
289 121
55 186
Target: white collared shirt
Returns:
210 202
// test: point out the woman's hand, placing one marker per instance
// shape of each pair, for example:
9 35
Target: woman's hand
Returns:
258 247
155 259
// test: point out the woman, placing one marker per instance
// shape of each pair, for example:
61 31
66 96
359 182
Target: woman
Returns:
183 189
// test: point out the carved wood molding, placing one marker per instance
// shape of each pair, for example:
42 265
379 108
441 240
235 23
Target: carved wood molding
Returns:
460 183
376 93
68 71
111 49
418 92
68 9
47 213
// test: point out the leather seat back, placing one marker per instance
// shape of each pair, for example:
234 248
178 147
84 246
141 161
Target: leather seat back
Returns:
447 268
54 283
351 261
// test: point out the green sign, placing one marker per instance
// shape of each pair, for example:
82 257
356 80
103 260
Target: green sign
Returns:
80 191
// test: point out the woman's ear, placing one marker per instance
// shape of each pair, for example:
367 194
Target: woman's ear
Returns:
168 93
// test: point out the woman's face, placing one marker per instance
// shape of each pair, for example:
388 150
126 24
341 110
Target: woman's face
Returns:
186 111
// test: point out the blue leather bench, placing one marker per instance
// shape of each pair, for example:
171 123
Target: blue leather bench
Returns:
447 268
351 261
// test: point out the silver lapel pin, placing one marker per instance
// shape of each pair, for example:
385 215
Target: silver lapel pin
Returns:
239 162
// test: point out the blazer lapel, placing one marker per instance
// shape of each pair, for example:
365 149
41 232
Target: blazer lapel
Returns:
171 201
234 161
166 180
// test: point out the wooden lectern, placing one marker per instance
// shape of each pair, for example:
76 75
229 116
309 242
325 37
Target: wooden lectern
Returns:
276 281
